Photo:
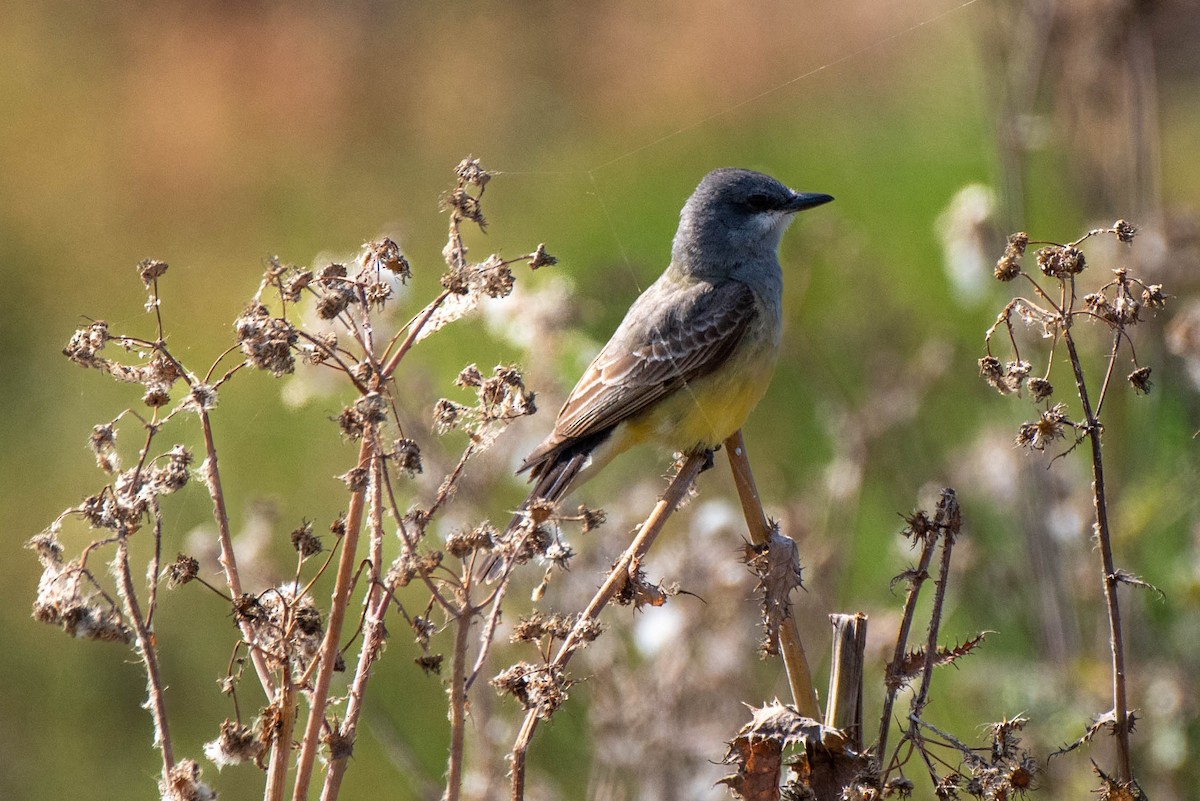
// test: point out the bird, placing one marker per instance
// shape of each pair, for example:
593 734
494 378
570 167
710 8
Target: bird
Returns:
696 350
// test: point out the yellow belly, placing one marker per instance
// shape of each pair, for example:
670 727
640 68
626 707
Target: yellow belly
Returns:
709 410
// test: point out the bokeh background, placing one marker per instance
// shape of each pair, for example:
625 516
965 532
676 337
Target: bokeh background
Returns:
213 135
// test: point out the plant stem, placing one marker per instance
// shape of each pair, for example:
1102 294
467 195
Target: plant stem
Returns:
148 653
374 636
1110 579
795 661
227 559
617 578
458 699
333 632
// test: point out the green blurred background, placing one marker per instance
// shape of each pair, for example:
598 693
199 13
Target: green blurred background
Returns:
212 135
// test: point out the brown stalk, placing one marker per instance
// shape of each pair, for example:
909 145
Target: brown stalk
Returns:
795 661
893 683
458 696
1109 574
617 578
374 634
227 559
327 657
148 653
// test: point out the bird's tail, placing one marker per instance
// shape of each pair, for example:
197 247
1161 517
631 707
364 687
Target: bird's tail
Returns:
553 480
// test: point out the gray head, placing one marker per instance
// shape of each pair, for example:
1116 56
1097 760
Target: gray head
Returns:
735 216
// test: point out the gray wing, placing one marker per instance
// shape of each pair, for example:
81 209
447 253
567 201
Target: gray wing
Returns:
644 363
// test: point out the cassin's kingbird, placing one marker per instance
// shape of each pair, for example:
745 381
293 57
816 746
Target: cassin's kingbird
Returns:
696 350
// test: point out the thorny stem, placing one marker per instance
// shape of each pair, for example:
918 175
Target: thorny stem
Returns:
617 578
917 578
227 559
1109 576
795 661
149 654
333 632
935 621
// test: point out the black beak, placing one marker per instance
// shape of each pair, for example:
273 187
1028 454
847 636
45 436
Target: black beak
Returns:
806 200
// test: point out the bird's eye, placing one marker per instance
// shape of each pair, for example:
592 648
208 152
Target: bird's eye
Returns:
758 203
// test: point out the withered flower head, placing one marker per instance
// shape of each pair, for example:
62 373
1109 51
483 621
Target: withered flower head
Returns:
237 743
445 415
461 544
1007 268
430 663
304 541
592 518
181 571
156 396
266 341
296 284
1048 427
540 258
1040 388
334 301
464 206
469 377
472 172
201 398
1153 296
1060 262
86 344
407 456
1124 230
1140 379
150 269
1016 244
355 478
331 275
385 254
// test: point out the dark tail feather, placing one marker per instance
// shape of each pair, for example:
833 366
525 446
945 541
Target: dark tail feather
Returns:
553 480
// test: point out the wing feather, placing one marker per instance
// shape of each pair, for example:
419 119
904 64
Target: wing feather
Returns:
683 341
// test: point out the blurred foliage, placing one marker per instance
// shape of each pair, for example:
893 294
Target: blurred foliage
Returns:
213 135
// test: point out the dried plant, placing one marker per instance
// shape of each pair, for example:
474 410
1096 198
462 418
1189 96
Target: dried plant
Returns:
294 644
1056 304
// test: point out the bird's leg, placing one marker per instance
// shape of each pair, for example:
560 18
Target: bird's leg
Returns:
708 458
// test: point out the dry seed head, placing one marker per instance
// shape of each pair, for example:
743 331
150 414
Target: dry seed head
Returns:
181 571
1126 310
296 284
86 344
385 253
469 377
355 478
266 341
151 269
236 743
1016 244
1140 379
1048 427
1060 262
406 455
1007 268
1040 389
430 663
540 258
1153 297
472 172
1124 230
304 541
